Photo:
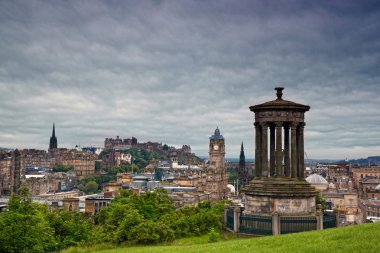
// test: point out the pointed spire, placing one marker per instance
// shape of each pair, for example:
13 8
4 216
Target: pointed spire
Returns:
242 156
53 139
243 173
53 134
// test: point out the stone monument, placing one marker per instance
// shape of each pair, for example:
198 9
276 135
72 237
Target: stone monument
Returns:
279 186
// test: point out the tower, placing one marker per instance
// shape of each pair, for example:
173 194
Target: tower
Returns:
53 139
243 173
217 150
216 173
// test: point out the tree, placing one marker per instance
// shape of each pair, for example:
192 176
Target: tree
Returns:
91 187
97 165
150 232
61 168
24 227
131 219
319 199
70 228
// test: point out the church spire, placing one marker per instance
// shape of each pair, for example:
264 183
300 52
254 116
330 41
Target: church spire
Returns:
53 134
242 157
243 173
53 139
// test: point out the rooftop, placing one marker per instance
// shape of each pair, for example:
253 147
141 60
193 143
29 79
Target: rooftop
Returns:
279 103
316 179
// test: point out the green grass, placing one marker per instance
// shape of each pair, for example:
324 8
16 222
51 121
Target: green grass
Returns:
360 238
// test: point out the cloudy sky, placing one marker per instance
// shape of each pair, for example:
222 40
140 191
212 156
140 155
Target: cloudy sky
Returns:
171 71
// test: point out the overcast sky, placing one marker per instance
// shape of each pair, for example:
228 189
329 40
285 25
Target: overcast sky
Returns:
172 71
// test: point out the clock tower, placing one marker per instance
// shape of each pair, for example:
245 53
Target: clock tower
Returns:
217 150
216 173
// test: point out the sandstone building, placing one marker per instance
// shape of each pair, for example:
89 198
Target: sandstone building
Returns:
216 172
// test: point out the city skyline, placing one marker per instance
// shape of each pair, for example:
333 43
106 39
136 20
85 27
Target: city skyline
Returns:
172 72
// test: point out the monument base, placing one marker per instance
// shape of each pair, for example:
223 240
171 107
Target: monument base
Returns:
285 196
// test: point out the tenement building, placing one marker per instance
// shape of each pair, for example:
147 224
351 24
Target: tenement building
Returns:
5 172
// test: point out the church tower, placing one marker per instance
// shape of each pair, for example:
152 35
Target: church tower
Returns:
53 139
217 150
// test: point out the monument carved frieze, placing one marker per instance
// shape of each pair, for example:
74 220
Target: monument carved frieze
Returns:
285 116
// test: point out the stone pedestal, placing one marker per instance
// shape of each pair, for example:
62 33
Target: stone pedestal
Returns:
280 195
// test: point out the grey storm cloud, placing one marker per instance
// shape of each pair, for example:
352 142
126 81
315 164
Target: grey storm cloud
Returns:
171 71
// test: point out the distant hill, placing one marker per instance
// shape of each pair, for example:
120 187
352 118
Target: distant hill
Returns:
232 159
6 149
236 160
371 160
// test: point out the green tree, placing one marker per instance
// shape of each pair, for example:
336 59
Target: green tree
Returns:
150 232
319 199
91 187
70 228
61 168
98 165
24 227
131 219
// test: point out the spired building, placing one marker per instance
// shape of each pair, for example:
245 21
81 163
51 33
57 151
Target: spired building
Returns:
216 173
243 171
279 185
53 140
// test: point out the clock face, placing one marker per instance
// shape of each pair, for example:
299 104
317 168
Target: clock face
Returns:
216 147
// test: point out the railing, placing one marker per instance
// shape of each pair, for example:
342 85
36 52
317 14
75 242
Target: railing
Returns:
274 224
230 219
293 224
260 225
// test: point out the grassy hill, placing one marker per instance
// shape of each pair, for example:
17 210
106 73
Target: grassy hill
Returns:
361 238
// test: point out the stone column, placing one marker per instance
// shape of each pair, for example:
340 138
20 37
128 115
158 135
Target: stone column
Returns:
258 151
264 149
298 151
272 150
286 151
236 219
275 224
293 128
319 219
279 170
301 151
